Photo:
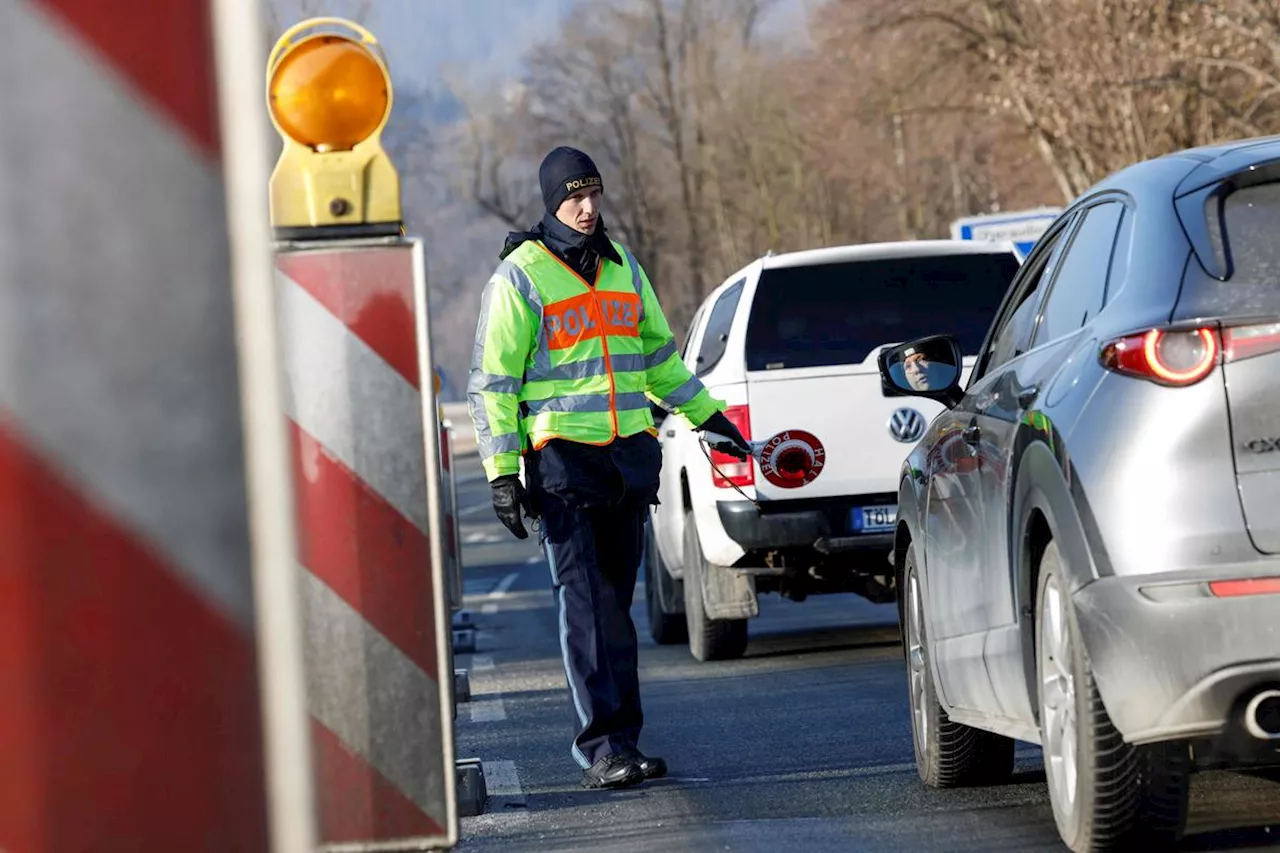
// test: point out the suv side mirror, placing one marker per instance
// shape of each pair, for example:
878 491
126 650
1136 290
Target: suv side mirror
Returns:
926 367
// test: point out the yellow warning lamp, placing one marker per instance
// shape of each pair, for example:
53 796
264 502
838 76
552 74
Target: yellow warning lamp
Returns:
329 96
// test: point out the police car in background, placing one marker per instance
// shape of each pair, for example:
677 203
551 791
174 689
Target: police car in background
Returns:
790 343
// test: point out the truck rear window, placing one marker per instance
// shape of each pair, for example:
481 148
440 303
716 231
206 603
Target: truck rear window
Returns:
837 314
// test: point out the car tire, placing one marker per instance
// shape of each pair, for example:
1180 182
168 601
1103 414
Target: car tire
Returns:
1106 794
709 639
666 628
948 754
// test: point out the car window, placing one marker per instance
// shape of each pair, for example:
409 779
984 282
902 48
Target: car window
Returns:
1243 226
1120 258
716 336
1010 337
1078 288
1234 236
687 347
839 313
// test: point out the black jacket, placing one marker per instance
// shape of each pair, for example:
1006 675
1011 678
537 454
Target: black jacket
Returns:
626 471
582 252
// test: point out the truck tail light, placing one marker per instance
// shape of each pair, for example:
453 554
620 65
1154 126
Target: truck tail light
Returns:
1174 357
735 472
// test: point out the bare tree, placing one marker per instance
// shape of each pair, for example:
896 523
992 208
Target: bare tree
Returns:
719 146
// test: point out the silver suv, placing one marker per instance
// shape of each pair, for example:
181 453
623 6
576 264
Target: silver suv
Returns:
1088 538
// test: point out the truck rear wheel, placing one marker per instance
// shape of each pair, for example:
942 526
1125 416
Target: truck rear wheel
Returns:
709 639
663 595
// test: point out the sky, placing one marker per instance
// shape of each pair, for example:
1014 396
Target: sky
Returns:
479 40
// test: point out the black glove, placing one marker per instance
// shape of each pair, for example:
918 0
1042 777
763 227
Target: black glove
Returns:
509 497
737 446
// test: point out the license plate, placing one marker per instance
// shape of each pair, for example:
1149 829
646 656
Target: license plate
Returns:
874 519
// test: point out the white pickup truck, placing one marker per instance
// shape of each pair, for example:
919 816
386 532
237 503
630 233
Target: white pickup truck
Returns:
790 343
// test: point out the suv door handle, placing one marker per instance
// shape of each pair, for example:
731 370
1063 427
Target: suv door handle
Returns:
1028 396
671 433
972 435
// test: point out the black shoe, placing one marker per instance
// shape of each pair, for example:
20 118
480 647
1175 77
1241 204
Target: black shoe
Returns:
651 767
618 770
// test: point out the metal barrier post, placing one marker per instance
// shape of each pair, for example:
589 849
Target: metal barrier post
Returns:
364 417
464 627
453 562
136 371
374 584
455 527
452 540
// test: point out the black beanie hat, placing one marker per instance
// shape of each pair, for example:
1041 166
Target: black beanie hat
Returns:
563 172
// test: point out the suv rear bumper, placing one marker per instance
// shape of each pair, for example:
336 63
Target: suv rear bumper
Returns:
820 526
1182 667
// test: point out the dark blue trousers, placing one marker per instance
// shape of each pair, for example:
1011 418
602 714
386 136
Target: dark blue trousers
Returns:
593 503
594 555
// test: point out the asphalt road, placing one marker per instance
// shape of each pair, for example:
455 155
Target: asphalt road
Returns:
803 745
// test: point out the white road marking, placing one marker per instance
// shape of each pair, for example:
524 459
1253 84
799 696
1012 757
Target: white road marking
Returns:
502 780
535 560
498 592
474 509
504 585
488 710
486 706
512 815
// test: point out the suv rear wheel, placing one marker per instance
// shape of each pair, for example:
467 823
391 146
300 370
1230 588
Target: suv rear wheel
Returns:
709 639
948 754
1106 794
663 596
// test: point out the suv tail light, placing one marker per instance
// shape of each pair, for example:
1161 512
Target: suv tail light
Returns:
1241 342
736 473
1180 357
1176 357
1245 586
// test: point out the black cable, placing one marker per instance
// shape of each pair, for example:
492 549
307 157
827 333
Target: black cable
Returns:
705 452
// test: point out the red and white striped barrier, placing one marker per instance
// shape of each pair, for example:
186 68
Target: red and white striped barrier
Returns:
130 713
369 499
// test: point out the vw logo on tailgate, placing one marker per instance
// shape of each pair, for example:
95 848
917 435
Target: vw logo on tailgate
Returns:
907 425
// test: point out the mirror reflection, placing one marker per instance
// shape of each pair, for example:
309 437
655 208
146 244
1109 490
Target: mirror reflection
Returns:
923 366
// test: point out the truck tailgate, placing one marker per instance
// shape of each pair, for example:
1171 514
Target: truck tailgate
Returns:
845 409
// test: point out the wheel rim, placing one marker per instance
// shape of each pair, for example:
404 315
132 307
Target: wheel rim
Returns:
1058 698
916 663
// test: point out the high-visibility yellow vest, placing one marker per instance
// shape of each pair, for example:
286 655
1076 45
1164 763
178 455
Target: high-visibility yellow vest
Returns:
556 357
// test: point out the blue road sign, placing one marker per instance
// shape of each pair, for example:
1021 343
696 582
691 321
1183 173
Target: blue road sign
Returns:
1020 227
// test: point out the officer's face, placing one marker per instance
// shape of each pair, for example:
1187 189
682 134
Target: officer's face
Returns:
581 211
917 371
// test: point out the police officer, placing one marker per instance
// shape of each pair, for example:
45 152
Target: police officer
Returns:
570 347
